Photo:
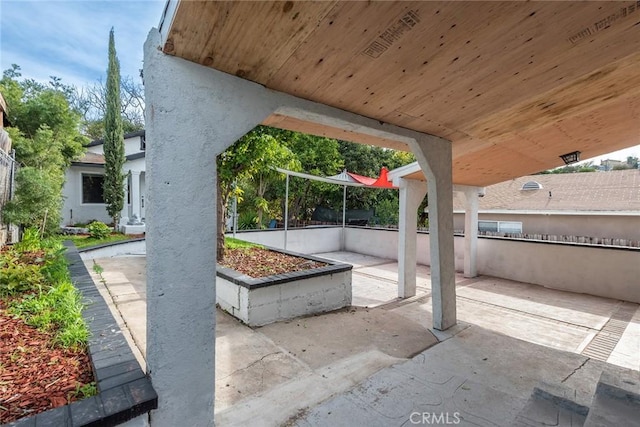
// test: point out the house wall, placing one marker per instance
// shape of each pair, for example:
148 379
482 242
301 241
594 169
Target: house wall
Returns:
72 192
131 146
607 226
603 271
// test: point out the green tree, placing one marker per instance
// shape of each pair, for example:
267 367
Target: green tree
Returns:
317 156
252 159
46 139
113 186
585 167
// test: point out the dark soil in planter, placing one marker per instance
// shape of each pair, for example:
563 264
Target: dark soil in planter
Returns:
258 262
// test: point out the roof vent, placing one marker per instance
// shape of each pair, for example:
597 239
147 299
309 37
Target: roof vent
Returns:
532 185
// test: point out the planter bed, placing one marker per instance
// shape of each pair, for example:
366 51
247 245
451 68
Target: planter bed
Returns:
124 391
264 300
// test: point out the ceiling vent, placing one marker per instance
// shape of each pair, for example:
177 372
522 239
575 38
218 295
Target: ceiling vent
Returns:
532 185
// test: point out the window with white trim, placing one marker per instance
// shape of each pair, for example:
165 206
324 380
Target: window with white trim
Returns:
92 188
500 226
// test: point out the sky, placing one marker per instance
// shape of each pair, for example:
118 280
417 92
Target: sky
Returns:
69 39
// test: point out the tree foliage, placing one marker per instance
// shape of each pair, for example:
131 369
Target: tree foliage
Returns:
250 163
254 156
45 136
585 167
113 186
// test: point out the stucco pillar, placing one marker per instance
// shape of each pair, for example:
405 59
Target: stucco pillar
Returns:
126 209
192 114
412 193
135 194
471 231
434 156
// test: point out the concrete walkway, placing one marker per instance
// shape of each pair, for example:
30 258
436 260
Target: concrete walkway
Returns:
377 362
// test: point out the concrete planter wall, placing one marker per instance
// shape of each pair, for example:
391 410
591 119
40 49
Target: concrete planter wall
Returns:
258 302
610 272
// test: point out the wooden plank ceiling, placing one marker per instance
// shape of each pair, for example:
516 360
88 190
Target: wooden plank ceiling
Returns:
512 84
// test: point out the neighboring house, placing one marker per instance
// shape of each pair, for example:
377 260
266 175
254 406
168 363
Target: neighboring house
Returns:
591 204
609 164
83 186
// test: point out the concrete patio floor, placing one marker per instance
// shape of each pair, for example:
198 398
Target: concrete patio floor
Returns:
379 361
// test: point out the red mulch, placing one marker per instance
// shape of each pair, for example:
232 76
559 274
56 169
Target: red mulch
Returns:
35 376
257 262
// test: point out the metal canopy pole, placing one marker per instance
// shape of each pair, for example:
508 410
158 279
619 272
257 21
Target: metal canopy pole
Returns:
235 208
286 211
344 212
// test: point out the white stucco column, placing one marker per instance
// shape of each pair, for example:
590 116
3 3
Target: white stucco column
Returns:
471 195
126 211
434 156
471 234
412 193
192 113
135 194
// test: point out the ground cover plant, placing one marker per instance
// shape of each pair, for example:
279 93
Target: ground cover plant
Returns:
257 261
43 338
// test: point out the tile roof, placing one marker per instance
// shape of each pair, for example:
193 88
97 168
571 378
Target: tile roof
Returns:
92 158
590 191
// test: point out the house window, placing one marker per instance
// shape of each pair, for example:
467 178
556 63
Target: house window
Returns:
92 188
500 226
143 143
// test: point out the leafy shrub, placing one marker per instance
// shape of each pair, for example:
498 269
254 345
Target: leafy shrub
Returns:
37 269
57 310
30 241
99 230
247 221
17 277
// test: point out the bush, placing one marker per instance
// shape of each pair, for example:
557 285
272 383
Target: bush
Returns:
99 230
35 272
17 277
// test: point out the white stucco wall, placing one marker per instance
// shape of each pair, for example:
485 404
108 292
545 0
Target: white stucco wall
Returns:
72 193
384 244
607 272
132 145
72 190
304 240
603 271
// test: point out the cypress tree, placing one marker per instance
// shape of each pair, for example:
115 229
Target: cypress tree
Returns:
113 185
